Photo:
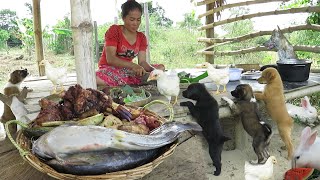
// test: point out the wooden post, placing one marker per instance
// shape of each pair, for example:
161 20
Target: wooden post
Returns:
82 28
96 42
147 33
115 21
210 33
38 35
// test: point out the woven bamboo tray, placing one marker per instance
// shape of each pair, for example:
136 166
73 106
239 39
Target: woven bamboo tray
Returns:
23 144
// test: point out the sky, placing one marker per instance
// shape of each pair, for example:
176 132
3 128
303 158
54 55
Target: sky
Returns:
104 11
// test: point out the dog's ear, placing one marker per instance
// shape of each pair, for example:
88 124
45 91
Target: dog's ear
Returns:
270 75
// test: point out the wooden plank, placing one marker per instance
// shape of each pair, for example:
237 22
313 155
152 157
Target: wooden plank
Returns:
12 166
37 78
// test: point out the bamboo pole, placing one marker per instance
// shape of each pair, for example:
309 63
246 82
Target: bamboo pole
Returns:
313 27
36 10
245 3
249 16
147 30
96 42
314 49
205 2
210 33
82 28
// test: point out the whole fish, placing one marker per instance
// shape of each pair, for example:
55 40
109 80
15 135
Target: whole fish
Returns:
100 162
65 140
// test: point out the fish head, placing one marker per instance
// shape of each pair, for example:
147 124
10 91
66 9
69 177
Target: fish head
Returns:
41 149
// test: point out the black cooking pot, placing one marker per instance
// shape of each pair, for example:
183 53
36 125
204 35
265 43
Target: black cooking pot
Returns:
294 70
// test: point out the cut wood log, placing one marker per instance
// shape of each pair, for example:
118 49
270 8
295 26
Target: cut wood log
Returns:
260 14
314 49
245 37
227 6
205 2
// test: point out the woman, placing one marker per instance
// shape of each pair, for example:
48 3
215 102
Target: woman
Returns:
122 44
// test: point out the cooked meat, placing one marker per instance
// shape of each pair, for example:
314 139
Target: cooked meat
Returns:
47 114
76 103
45 103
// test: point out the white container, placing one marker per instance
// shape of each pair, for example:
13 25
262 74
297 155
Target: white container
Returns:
235 74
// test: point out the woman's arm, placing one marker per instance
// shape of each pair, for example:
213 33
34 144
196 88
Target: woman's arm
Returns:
113 60
142 60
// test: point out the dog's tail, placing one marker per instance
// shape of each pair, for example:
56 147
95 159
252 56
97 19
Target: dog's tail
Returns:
267 129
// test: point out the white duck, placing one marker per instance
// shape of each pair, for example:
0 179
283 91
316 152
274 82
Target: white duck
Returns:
167 84
218 76
57 76
2 132
260 171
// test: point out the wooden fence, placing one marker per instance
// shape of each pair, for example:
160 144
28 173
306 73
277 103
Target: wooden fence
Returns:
214 7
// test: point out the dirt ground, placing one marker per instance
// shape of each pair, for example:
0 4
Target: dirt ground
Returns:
191 160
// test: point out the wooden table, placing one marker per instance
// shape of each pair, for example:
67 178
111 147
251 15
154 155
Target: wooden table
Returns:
12 166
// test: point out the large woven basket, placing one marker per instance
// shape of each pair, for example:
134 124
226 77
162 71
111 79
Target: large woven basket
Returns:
23 144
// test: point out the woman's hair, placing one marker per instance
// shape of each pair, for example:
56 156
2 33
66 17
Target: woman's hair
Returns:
128 6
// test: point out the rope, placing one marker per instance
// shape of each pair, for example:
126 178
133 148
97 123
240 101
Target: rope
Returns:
22 152
168 106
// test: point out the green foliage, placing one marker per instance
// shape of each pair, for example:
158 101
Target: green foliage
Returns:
25 33
63 36
306 37
102 29
158 14
241 28
7 16
4 36
190 20
176 48
296 4
313 18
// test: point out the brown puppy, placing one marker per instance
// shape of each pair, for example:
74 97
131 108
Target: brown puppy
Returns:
246 106
13 88
273 97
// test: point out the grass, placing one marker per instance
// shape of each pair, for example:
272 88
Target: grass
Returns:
9 63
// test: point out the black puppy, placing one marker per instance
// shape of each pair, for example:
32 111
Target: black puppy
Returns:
206 112
247 107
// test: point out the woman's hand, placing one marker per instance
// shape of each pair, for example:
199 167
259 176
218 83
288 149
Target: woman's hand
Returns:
137 69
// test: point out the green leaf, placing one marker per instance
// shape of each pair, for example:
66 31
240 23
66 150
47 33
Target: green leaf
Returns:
61 31
127 89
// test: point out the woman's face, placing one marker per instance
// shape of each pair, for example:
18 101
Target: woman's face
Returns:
133 20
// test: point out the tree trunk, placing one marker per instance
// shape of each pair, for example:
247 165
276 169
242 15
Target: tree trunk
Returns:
82 28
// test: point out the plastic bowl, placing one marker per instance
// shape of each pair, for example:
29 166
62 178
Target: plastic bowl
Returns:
235 74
